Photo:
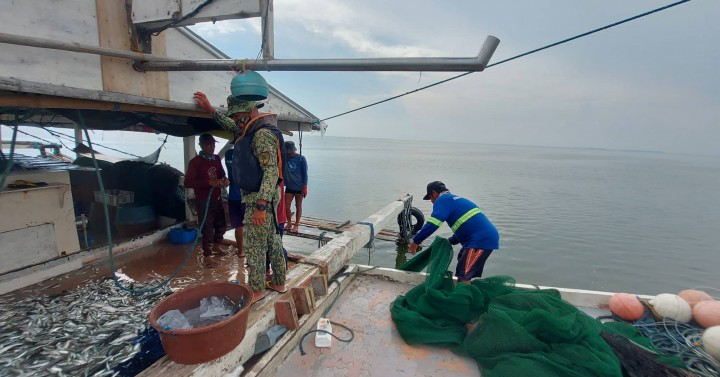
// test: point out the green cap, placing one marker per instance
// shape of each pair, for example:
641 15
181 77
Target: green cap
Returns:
239 106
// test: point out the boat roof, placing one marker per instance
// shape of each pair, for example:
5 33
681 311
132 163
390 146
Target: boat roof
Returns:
61 106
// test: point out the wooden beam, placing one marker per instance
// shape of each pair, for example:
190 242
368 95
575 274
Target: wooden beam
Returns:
338 252
286 314
319 285
24 86
75 103
304 300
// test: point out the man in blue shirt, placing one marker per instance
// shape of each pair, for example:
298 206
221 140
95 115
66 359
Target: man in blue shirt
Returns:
236 207
296 181
477 235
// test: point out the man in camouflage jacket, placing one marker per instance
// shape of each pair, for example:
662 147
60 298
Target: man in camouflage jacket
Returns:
260 228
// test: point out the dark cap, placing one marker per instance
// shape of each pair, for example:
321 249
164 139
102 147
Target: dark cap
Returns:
207 138
434 186
290 146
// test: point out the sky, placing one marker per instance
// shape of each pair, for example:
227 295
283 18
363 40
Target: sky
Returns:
652 84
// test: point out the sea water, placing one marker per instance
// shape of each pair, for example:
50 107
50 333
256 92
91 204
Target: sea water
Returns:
644 222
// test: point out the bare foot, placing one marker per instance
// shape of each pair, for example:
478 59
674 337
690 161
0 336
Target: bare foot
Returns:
288 226
295 229
209 261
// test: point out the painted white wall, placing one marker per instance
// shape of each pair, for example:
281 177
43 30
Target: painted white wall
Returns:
64 21
30 208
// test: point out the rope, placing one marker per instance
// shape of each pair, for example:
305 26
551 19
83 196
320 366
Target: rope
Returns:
67 137
682 340
36 137
321 239
405 223
113 269
514 57
371 244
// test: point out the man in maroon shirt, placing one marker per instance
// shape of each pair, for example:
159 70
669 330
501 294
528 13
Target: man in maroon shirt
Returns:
206 176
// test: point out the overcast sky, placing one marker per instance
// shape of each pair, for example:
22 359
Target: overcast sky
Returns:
651 84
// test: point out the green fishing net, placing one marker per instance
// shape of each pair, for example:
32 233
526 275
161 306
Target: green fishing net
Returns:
517 332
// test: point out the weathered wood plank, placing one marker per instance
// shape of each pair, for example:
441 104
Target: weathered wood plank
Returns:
319 285
74 103
286 314
304 303
338 252
17 85
118 74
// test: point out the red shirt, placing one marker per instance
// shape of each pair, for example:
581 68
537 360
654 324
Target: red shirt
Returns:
199 173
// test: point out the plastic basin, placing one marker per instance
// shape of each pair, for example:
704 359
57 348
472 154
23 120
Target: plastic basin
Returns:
203 344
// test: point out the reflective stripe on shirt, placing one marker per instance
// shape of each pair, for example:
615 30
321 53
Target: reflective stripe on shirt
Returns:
464 218
434 221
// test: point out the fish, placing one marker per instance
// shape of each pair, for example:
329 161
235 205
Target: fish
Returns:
85 331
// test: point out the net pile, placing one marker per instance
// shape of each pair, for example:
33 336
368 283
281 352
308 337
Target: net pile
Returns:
517 332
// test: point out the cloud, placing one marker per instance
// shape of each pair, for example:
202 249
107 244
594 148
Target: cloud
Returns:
211 30
338 24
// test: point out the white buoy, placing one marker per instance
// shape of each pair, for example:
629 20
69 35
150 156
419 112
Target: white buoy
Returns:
671 306
711 342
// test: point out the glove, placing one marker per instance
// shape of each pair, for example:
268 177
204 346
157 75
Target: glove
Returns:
304 191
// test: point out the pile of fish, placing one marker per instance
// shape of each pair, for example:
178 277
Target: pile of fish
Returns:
87 331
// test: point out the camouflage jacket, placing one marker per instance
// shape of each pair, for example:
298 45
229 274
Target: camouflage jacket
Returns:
265 149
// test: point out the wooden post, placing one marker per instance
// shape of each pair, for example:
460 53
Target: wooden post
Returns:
304 300
286 314
319 285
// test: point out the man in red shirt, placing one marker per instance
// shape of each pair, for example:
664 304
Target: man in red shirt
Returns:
206 176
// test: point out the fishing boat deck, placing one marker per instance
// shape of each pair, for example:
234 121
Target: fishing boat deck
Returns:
377 348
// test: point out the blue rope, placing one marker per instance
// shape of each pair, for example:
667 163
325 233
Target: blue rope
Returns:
681 340
513 58
188 252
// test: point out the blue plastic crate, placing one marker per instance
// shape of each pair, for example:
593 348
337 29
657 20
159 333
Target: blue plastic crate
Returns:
182 236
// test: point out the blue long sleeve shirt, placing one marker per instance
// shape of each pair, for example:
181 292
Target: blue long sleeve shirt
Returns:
297 173
471 227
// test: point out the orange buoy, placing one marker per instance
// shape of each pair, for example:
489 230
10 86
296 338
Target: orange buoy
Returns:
693 296
707 313
626 306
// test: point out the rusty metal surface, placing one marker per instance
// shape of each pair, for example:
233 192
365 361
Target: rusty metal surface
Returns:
378 349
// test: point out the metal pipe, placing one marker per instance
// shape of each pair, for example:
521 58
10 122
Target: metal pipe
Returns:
150 62
477 63
76 47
